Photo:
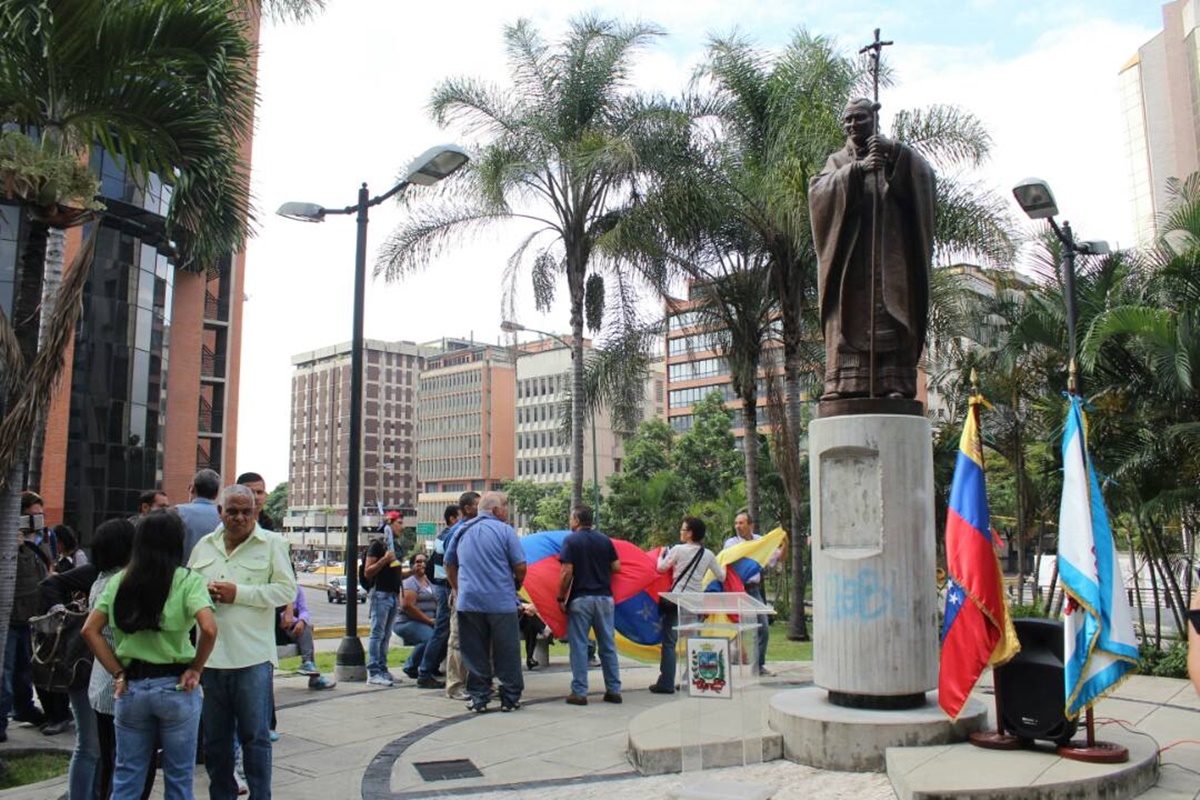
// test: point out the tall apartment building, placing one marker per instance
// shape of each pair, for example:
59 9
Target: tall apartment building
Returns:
543 441
320 432
1160 104
465 425
695 368
113 430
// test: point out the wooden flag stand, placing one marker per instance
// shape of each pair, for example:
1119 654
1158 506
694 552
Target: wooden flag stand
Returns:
998 739
1092 751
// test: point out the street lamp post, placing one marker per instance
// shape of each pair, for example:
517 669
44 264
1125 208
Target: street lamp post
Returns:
509 326
1037 201
428 168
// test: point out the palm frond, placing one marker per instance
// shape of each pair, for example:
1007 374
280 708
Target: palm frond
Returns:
947 135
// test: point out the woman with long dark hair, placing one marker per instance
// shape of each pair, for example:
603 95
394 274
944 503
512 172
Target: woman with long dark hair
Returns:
92 705
151 608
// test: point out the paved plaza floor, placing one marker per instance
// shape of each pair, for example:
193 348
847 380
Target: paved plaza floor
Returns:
359 741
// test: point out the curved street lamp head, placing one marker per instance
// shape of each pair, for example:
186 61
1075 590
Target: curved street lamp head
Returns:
1035 198
508 326
302 212
439 161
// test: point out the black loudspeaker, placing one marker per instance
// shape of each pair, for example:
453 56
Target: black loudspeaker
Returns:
1031 687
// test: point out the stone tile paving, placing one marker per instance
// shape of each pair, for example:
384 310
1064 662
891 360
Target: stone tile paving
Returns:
358 741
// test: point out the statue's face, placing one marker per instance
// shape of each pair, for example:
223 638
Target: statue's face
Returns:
859 123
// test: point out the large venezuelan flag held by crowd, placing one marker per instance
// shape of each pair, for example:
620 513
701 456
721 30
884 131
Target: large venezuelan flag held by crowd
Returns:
977 630
637 586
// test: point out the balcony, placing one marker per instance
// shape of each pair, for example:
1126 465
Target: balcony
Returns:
212 366
215 309
211 420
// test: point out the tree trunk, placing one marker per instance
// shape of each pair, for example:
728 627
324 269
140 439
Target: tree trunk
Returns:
576 285
1175 599
53 273
798 622
1037 563
750 451
1137 583
1050 612
1154 596
10 508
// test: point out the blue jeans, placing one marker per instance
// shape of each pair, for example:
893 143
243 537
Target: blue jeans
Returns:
763 634
491 646
670 637
81 776
417 634
435 648
152 708
383 616
596 614
16 692
237 702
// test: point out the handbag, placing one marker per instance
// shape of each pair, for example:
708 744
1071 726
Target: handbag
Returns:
62 660
665 605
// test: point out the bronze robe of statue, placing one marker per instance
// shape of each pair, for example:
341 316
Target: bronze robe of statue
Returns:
842 205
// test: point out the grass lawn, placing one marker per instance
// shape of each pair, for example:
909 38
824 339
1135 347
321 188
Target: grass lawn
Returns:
22 770
779 649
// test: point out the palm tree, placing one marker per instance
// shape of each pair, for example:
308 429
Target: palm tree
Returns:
1142 352
167 88
561 150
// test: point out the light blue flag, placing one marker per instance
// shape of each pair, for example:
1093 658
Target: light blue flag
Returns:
1099 646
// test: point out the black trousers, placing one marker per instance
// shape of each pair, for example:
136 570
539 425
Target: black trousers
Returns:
107 730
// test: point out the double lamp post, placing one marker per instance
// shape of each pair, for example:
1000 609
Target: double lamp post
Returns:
427 169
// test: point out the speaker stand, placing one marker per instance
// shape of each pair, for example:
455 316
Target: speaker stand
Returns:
1092 751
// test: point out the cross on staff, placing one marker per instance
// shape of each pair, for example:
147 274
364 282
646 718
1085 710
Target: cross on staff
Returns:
872 51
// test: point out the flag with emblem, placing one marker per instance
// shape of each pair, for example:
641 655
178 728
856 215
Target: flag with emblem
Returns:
976 630
1099 647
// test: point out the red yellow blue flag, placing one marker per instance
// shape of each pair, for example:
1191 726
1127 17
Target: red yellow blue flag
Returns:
976 630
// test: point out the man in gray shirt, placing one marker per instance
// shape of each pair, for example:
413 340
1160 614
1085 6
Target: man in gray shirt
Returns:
200 516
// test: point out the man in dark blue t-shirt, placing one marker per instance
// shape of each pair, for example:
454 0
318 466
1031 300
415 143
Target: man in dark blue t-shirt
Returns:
585 593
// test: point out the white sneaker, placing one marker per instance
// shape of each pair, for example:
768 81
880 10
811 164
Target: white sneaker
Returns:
381 680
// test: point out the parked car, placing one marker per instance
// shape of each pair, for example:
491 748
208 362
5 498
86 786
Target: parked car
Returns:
335 590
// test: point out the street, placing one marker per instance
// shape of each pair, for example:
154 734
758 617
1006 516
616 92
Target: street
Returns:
321 611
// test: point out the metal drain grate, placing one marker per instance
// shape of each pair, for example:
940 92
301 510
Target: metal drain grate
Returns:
450 770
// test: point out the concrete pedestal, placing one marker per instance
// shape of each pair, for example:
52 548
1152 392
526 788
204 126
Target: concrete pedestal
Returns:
875 635
817 733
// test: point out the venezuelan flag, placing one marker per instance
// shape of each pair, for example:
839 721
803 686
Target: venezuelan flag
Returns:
636 614
977 630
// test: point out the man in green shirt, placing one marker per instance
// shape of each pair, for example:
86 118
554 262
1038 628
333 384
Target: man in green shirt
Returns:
249 575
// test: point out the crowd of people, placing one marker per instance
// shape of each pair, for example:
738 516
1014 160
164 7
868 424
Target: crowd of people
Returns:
185 607
187 604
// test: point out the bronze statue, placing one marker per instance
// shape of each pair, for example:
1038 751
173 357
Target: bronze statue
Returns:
872 210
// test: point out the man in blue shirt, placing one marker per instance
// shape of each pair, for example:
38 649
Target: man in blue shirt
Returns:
485 565
200 516
589 560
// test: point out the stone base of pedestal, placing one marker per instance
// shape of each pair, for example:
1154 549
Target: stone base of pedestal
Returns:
820 734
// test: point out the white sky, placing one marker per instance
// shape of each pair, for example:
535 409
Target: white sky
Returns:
344 100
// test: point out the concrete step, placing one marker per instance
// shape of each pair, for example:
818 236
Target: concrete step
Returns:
966 772
686 734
